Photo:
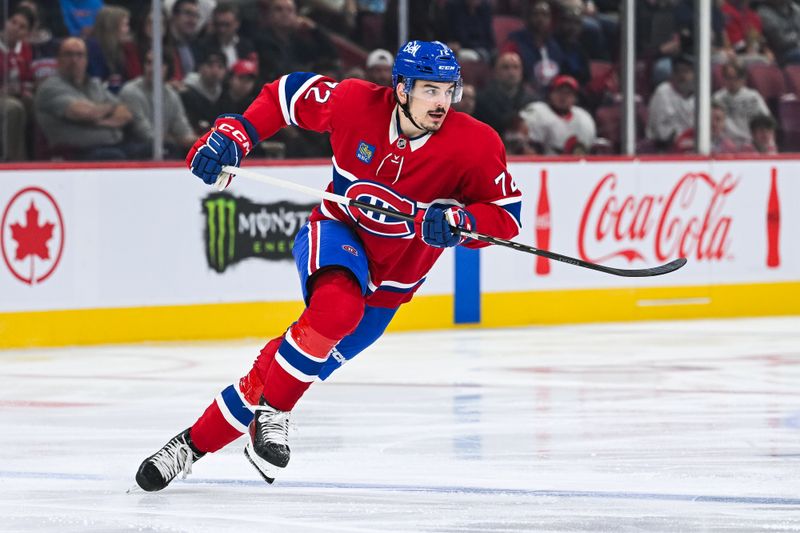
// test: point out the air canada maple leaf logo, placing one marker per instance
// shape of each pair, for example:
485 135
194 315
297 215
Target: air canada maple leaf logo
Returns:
32 235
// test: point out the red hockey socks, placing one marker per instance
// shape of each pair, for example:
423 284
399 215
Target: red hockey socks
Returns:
287 365
334 310
229 414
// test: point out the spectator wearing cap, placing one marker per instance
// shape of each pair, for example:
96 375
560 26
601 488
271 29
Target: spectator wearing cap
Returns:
781 24
762 131
201 97
240 88
137 95
379 67
78 116
500 102
740 103
225 24
541 54
113 56
558 126
671 108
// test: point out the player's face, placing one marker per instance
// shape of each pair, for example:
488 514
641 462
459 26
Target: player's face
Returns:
430 102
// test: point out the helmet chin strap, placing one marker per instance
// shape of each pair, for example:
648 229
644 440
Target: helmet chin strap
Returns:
407 112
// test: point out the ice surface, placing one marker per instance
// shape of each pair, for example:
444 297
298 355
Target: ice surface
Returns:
670 426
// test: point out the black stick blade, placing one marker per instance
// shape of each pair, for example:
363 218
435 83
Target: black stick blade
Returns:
660 270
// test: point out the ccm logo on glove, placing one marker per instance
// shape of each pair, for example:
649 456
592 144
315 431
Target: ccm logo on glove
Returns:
237 134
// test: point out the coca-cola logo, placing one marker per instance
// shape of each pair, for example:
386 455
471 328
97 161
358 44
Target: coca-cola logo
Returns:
689 221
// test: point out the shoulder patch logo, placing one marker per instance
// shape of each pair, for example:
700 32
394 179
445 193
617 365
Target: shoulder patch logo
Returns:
365 152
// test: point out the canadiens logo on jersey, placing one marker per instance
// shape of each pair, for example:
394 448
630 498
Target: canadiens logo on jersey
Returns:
365 152
378 223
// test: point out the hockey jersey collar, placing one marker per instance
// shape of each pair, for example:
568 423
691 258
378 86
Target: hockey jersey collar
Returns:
394 132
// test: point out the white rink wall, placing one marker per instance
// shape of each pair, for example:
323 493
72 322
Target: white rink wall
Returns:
143 252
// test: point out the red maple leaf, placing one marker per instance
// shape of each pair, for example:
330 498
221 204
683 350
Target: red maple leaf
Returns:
32 238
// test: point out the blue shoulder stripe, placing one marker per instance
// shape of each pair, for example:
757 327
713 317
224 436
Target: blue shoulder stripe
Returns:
289 88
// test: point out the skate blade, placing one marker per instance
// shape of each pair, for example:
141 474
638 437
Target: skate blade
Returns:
134 489
264 468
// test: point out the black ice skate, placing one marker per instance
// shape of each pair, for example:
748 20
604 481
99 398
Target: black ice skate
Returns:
268 446
175 457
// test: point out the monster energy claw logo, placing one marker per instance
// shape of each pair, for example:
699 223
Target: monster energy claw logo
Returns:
237 228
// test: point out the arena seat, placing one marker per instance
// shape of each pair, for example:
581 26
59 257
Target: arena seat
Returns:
502 25
789 121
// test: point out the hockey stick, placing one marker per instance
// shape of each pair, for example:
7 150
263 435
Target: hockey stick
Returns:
228 171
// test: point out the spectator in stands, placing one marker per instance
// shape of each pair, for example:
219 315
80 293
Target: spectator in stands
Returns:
79 117
470 26
369 23
113 56
467 103
657 36
225 24
569 27
183 28
144 42
781 23
500 102
241 88
290 43
600 32
379 67
137 95
740 103
558 126
744 31
541 55
78 15
722 141
671 108
16 77
205 7
762 131
201 97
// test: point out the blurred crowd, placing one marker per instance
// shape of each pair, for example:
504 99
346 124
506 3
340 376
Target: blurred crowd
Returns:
77 75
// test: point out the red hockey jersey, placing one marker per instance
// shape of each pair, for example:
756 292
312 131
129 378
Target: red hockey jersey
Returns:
461 164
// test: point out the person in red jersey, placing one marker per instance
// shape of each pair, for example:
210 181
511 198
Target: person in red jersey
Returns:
400 147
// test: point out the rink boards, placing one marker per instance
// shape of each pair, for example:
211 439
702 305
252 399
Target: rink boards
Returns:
143 252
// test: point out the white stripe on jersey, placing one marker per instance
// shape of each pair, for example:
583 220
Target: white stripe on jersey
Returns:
282 97
297 94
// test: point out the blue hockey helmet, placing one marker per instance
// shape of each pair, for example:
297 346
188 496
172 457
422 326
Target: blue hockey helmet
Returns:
427 60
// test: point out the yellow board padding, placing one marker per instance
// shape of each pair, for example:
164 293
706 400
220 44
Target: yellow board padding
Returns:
187 322
658 303
268 319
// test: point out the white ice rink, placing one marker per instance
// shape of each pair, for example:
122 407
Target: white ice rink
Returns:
673 426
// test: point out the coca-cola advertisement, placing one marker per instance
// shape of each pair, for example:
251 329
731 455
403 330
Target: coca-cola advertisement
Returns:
727 218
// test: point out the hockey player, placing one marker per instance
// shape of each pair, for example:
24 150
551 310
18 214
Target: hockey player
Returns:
399 147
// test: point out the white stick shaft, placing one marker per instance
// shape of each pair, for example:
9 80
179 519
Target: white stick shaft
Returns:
325 195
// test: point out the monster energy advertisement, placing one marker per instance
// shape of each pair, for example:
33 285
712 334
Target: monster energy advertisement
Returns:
237 228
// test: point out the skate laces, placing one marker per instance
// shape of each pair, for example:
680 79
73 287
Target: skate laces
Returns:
273 425
174 458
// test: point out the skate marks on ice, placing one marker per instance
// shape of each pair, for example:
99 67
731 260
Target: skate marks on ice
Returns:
623 427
